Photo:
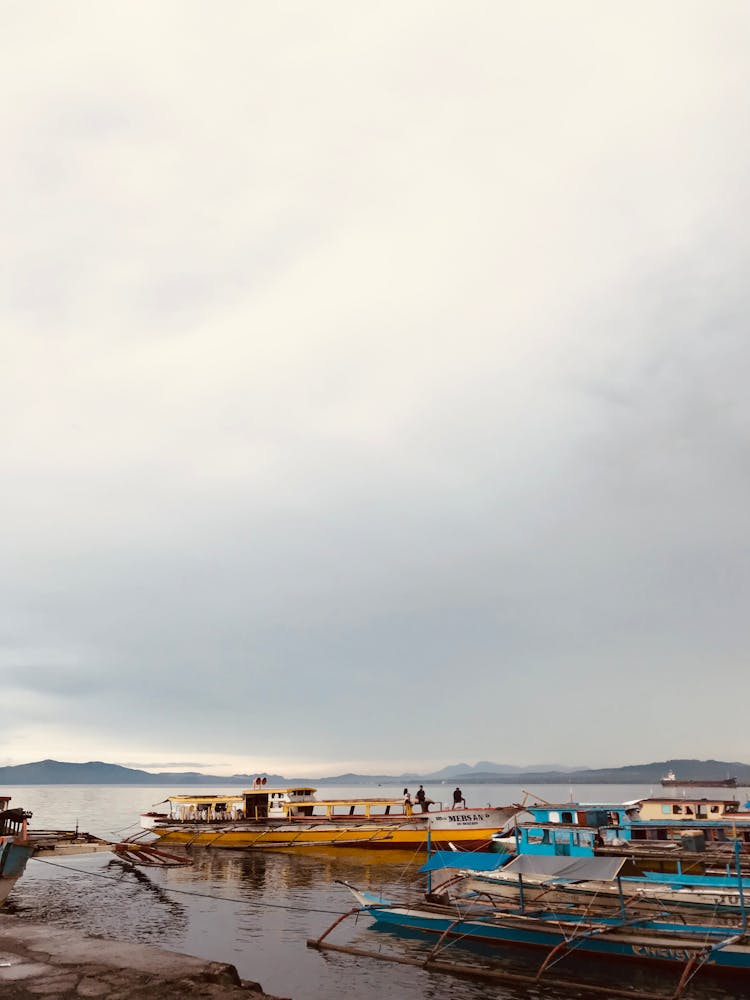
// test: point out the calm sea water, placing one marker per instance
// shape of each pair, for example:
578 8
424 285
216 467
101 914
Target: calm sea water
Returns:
257 909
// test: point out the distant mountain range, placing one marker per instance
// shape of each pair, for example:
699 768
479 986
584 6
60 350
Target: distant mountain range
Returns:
630 774
487 767
96 772
55 772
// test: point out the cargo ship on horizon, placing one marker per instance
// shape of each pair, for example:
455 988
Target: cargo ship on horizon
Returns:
670 780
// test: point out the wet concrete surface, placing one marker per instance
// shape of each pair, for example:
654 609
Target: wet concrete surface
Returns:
40 961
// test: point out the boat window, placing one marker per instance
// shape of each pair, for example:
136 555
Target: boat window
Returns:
554 817
714 809
666 809
688 810
567 817
677 810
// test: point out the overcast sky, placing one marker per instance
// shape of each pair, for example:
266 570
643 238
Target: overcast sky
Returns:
374 383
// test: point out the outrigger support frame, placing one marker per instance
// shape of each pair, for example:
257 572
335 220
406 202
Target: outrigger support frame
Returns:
697 961
146 854
571 943
431 964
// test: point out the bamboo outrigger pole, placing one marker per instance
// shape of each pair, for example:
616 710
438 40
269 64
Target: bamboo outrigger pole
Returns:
471 971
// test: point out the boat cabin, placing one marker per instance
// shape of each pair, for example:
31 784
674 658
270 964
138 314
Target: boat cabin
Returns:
693 809
575 829
585 813
204 808
279 803
13 822
300 803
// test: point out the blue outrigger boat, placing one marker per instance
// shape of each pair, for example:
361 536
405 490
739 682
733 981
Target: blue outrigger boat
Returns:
621 931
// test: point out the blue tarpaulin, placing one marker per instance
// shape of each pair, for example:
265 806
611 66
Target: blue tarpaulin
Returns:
470 861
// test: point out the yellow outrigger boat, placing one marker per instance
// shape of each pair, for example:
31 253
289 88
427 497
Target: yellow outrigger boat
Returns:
293 817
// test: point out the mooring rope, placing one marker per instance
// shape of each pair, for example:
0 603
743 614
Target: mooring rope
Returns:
190 892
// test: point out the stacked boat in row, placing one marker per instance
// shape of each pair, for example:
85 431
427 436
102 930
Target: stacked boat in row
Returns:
686 835
662 881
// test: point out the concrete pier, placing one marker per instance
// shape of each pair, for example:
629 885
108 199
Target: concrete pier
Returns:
42 961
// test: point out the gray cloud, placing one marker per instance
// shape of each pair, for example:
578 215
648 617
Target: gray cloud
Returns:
368 389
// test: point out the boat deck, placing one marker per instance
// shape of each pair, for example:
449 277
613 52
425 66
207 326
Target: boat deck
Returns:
66 842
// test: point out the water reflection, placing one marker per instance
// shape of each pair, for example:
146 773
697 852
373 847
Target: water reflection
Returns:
99 899
122 870
256 911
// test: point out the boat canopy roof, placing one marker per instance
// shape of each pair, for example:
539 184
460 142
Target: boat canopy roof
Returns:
204 800
583 806
671 800
362 802
578 827
286 790
566 869
574 809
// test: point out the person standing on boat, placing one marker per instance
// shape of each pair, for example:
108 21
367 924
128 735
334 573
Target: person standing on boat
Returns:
421 798
458 798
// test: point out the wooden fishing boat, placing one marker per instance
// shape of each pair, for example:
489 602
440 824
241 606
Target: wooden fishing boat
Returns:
15 847
637 938
293 817
623 932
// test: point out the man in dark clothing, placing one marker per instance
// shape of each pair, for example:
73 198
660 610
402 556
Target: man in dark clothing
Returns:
421 798
458 797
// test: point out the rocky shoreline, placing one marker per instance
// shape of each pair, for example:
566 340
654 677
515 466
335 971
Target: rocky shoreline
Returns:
39 961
